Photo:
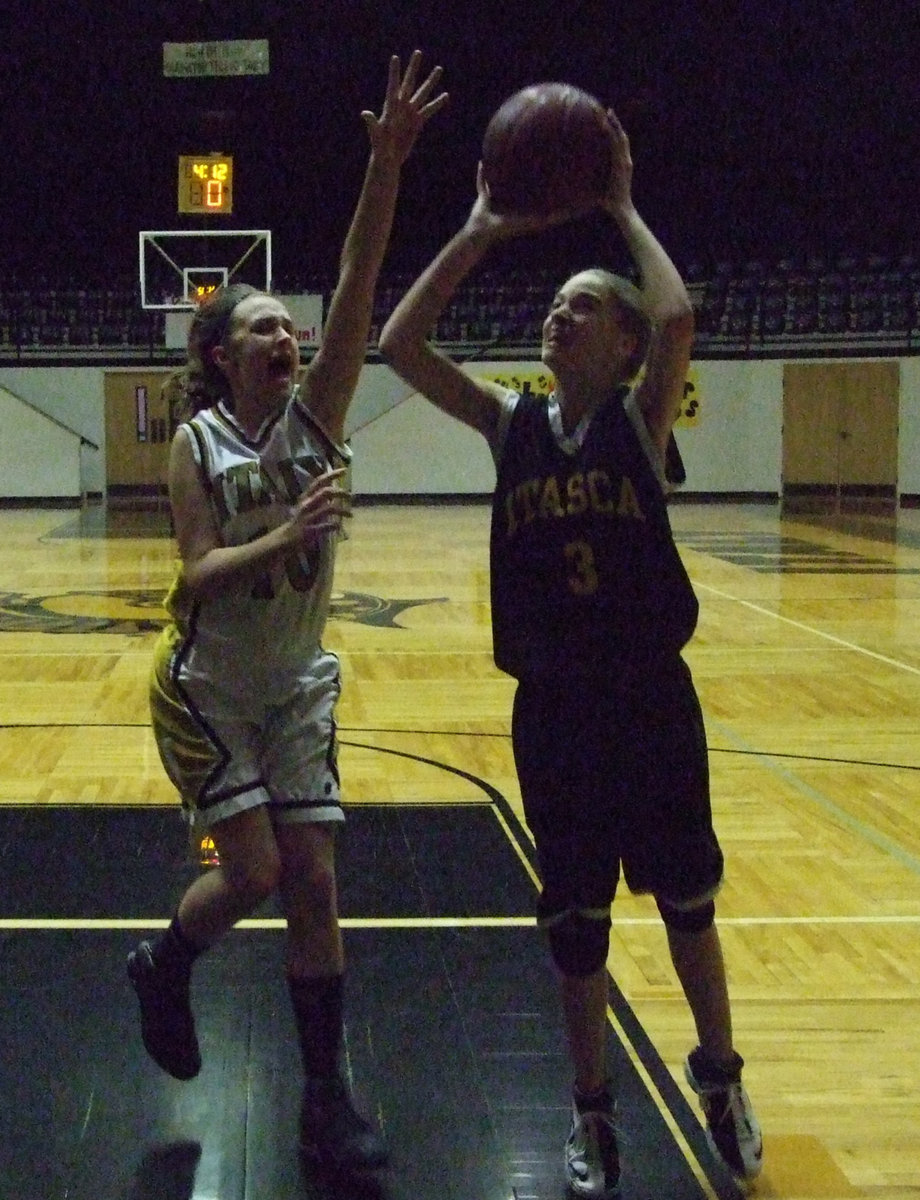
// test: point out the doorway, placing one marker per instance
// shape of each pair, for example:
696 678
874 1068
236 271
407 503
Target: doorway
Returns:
137 435
840 437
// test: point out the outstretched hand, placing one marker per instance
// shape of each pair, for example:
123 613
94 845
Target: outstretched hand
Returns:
406 109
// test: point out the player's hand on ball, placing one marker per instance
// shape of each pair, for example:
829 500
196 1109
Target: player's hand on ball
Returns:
619 189
486 221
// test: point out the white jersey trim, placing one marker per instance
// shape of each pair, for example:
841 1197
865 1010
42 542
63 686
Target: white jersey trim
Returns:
571 443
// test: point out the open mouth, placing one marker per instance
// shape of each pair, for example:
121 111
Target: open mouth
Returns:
280 368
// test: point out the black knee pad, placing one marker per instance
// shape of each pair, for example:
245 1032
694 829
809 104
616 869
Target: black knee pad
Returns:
687 920
578 943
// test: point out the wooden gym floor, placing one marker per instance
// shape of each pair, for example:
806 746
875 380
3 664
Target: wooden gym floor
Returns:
807 660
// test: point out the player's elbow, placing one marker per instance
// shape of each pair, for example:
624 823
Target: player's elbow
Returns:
389 344
677 321
200 578
673 328
398 347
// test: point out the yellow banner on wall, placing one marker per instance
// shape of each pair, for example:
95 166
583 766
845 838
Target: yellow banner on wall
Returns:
690 408
534 382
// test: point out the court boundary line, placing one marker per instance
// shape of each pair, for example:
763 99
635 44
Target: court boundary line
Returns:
107 924
448 733
867 832
871 835
819 633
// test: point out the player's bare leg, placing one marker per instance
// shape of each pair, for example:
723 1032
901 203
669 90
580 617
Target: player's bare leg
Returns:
713 1070
700 967
592 1160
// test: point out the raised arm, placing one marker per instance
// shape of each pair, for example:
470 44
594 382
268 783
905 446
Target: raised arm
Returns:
332 375
404 341
664 296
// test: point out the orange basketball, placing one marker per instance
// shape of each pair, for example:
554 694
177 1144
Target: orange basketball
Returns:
546 148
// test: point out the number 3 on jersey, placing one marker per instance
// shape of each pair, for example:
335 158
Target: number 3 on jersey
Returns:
582 573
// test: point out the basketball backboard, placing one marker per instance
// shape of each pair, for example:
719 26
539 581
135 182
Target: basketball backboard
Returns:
178 268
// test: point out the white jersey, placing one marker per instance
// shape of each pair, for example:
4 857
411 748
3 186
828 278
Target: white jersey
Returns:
256 636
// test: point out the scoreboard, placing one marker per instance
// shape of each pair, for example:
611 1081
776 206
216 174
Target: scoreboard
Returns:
206 184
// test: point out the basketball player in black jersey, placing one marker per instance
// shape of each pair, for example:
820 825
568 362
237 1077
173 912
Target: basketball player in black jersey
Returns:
591 607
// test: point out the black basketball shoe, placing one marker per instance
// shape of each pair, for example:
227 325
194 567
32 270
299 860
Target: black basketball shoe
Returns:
167 1024
334 1133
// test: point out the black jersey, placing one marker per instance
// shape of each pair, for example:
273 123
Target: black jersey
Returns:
585 577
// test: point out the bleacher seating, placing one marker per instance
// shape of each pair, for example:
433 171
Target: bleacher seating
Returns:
793 304
66 316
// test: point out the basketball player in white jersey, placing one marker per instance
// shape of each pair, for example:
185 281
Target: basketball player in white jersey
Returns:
242 693
591 608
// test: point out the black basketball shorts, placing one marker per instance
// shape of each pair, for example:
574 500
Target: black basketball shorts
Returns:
616 778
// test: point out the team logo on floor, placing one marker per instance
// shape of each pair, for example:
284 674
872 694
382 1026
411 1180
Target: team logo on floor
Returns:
134 613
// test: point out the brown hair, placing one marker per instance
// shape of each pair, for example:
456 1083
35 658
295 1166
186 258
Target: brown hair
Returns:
202 382
175 396
628 300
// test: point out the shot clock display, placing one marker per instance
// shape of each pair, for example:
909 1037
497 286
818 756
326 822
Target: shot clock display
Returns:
205 183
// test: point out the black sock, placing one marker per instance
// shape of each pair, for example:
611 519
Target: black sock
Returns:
596 1101
173 951
317 1004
